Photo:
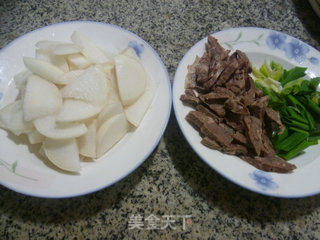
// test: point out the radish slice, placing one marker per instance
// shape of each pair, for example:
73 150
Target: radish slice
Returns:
76 110
42 98
131 78
48 127
88 48
11 118
91 87
43 69
111 132
87 142
63 153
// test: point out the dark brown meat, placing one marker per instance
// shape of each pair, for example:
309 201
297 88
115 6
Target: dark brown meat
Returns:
208 112
202 68
208 142
232 114
235 149
228 71
191 75
239 137
197 119
234 105
270 164
275 117
254 132
220 93
218 109
258 107
217 133
189 100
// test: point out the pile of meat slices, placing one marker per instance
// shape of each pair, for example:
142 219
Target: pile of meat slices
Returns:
231 113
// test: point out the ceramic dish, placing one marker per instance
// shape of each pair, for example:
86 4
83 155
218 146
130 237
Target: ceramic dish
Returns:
23 171
260 45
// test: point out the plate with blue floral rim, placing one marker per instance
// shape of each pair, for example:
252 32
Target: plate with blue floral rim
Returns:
21 167
260 45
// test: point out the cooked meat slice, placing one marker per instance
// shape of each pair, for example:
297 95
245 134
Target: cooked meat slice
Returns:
268 149
217 133
235 149
258 106
215 49
202 68
270 164
228 129
228 71
197 119
238 80
191 77
254 132
243 61
218 109
275 117
190 92
215 71
201 89
219 93
235 121
208 142
235 106
239 137
189 100
208 112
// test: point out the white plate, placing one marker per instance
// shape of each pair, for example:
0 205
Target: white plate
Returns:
20 167
259 44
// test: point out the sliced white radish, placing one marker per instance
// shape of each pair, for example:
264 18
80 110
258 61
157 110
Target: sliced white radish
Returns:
35 137
110 133
48 45
91 86
48 127
44 55
88 48
70 76
11 118
76 110
63 153
87 142
111 109
41 98
58 61
44 69
130 52
20 79
65 49
137 110
78 61
131 78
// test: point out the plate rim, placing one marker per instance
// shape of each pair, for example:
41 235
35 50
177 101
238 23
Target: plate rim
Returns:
257 191
93 190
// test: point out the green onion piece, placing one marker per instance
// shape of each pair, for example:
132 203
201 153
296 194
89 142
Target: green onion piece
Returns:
293 140
293 74
297 150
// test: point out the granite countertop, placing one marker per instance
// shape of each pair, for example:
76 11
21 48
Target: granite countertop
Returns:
173 181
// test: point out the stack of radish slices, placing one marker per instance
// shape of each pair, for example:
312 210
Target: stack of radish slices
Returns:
77 101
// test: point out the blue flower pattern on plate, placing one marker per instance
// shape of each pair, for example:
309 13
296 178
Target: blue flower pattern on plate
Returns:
263 180
276 40
314 60
138 48
296 50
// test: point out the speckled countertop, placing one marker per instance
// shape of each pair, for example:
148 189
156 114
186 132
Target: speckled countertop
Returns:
173 181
